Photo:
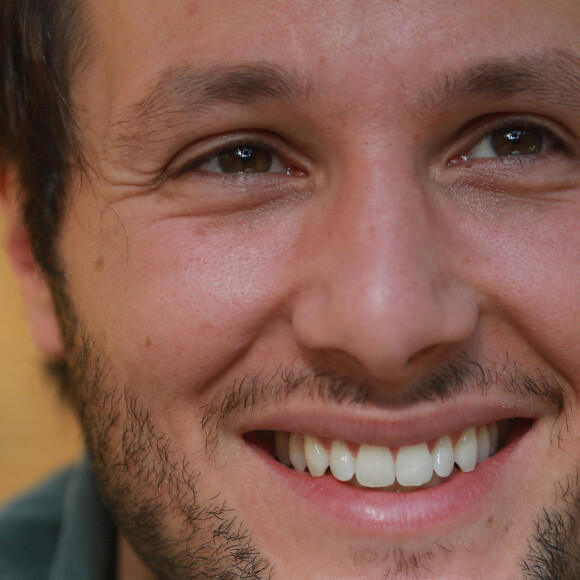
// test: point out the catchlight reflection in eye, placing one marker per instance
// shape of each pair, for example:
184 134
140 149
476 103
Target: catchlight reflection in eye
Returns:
512 142
245 159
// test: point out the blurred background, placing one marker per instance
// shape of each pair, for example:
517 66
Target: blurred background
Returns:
37 431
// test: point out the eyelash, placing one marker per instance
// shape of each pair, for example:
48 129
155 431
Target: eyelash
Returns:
196 164
551 141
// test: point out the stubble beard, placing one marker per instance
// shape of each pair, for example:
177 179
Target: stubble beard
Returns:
149 487
146 482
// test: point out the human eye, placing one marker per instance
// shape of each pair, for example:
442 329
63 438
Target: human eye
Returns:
513 139
517 155
238 157
244 158
237 171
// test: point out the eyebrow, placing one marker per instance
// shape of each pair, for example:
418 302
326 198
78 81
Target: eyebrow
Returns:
551 76
185 91
188 91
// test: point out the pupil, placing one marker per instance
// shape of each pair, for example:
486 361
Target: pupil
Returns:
518 142
245 160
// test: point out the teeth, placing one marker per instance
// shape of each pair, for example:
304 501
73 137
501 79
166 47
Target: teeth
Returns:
443 457
282 442
379 467
483 444
375 466
296 452
341 461
466 450
317 457
414 465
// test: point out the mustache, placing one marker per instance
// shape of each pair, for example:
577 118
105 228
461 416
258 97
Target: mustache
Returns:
458 375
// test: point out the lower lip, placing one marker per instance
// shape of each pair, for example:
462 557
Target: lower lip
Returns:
462 496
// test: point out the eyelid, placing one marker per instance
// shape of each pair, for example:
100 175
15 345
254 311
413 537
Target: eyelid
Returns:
210 148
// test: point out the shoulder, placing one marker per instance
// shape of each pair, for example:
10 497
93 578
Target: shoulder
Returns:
29 530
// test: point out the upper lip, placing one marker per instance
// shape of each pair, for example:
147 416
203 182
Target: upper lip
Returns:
386 427
374 415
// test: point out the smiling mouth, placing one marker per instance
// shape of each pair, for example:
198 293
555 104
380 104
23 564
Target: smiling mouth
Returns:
403 469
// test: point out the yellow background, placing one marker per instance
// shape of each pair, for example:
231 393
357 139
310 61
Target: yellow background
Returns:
37 431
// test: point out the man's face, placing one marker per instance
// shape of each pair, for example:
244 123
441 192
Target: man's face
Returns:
355 221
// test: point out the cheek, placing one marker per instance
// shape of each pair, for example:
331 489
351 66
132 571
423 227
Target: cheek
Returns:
529 270
177 303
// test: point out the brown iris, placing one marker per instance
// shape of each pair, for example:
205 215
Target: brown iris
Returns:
245 159
508 143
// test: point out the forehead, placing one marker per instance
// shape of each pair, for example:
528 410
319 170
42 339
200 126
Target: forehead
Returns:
339 46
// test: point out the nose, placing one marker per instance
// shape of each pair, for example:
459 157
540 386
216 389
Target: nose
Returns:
381 277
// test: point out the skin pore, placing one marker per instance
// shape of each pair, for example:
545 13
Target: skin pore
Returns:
396 263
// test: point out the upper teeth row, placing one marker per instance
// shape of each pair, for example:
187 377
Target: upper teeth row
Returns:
377 466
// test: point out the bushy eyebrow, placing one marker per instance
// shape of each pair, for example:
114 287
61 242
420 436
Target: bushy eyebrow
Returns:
552 75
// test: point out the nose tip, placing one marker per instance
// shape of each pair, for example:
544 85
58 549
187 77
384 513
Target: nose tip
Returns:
389 333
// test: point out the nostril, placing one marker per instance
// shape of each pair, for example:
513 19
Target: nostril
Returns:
430 355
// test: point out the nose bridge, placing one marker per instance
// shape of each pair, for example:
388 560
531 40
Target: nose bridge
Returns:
375 248
381 285
383 242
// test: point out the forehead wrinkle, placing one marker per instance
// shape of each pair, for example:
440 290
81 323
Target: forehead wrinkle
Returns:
188 91
552 76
